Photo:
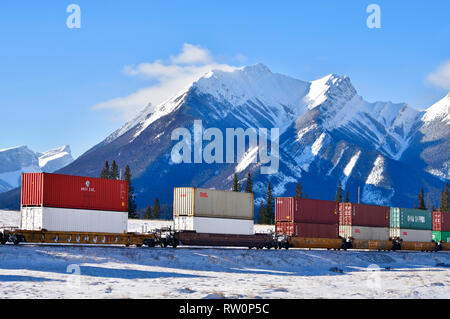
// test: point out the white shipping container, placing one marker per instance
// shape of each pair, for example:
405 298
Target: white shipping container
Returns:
214 225
412 234
364 233
197 202
77 220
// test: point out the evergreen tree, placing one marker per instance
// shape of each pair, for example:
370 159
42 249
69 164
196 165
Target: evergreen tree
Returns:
249 185
422 200
132 208
261 214
442 203
114 174
445 199
270 216
236 185
447 195
347 198
148 212
156 209
105 171
338 198
299 190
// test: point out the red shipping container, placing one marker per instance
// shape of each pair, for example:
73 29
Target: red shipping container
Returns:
363 215
441 221
307 230
305 210
77 192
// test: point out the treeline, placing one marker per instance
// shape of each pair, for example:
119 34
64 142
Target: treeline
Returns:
113 172
444 204
266 211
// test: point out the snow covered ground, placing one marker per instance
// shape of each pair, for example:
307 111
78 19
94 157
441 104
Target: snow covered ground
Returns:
46 271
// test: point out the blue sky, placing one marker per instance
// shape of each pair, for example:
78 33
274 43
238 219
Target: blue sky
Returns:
52 77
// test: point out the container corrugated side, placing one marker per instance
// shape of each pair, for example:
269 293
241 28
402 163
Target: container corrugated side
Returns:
441 236
363 215
200 202
76 192
306 210
415 235
32 189
284 209
183 201
79 220
441 221
214 225
307 230
364 233
409 218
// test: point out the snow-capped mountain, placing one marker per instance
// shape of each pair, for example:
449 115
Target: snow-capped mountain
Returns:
55 159
17 160
327 133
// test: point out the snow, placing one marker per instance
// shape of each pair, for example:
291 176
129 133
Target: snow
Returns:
376 175
251 156
351 164
55 159
341 153
32 271
68 271
9 218
318 144
17 160
318 91
439 111
349 168
14 178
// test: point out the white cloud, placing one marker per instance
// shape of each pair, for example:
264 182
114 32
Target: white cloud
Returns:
441 77
192 54
171 77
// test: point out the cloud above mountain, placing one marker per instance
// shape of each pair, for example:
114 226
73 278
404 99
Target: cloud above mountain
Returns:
170 77
441 77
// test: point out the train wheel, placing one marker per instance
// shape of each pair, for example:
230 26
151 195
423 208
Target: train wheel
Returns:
18 240
139 245
250 247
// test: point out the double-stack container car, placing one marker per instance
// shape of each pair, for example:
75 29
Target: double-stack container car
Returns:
55 202
213 211
304 217
63 209
207 217
441 227
413 225
363 222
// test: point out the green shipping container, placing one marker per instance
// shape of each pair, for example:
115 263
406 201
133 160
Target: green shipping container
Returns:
408 218
443 236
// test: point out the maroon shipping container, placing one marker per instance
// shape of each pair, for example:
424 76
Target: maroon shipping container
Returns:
66 191
305 210
363 215
307 230
441 221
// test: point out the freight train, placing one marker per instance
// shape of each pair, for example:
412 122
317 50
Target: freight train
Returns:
61 209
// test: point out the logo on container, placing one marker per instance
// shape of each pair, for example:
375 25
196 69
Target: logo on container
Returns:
204 195
87 187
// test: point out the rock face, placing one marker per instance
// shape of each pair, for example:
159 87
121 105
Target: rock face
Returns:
17 160
327 133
